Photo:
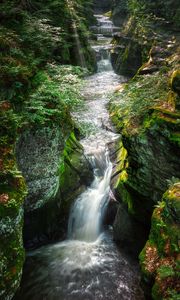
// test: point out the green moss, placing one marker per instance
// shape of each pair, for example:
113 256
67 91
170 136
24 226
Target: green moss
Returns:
156 293
74 171
120 185
122 192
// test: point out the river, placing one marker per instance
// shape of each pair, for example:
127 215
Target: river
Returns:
88 265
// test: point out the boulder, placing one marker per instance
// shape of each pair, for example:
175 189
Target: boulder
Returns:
56 171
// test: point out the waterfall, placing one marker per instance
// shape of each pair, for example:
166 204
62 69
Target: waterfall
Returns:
87 213
104 64
88 265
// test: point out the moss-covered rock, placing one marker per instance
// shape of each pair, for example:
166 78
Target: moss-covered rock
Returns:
151 143
37 94
131 46
144 28
55 170
120 12
12 193
146 113
159 258
126 57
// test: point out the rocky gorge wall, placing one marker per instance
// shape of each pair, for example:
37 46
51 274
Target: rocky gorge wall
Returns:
42 165
146 113
102 6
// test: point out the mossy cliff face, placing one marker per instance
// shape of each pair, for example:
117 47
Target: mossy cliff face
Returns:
160 257
145 23
131 46
39 136
148 156
12 194
56 171
146 113
119 12
37 95
102 6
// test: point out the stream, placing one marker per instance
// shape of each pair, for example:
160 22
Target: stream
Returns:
88 265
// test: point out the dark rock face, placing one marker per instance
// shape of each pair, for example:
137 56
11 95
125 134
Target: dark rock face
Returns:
127 57
153 160
55 171
141 176
102 6
119 12
129 233
147 158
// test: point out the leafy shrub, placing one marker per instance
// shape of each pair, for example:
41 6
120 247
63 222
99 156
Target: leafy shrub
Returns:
57 94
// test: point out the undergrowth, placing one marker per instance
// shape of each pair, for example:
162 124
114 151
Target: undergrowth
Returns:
55 97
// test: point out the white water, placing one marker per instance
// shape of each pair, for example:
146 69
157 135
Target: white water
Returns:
85 222
104 26
88 211
89 265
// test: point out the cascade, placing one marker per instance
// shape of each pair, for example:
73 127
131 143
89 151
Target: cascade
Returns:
88 265
88 211
104 26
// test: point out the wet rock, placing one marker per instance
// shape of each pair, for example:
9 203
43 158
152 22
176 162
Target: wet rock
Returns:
147 161
129 233
111 212
144 170
127 57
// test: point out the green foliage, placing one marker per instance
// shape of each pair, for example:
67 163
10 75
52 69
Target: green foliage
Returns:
57 94
32 34
168 9
136 7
